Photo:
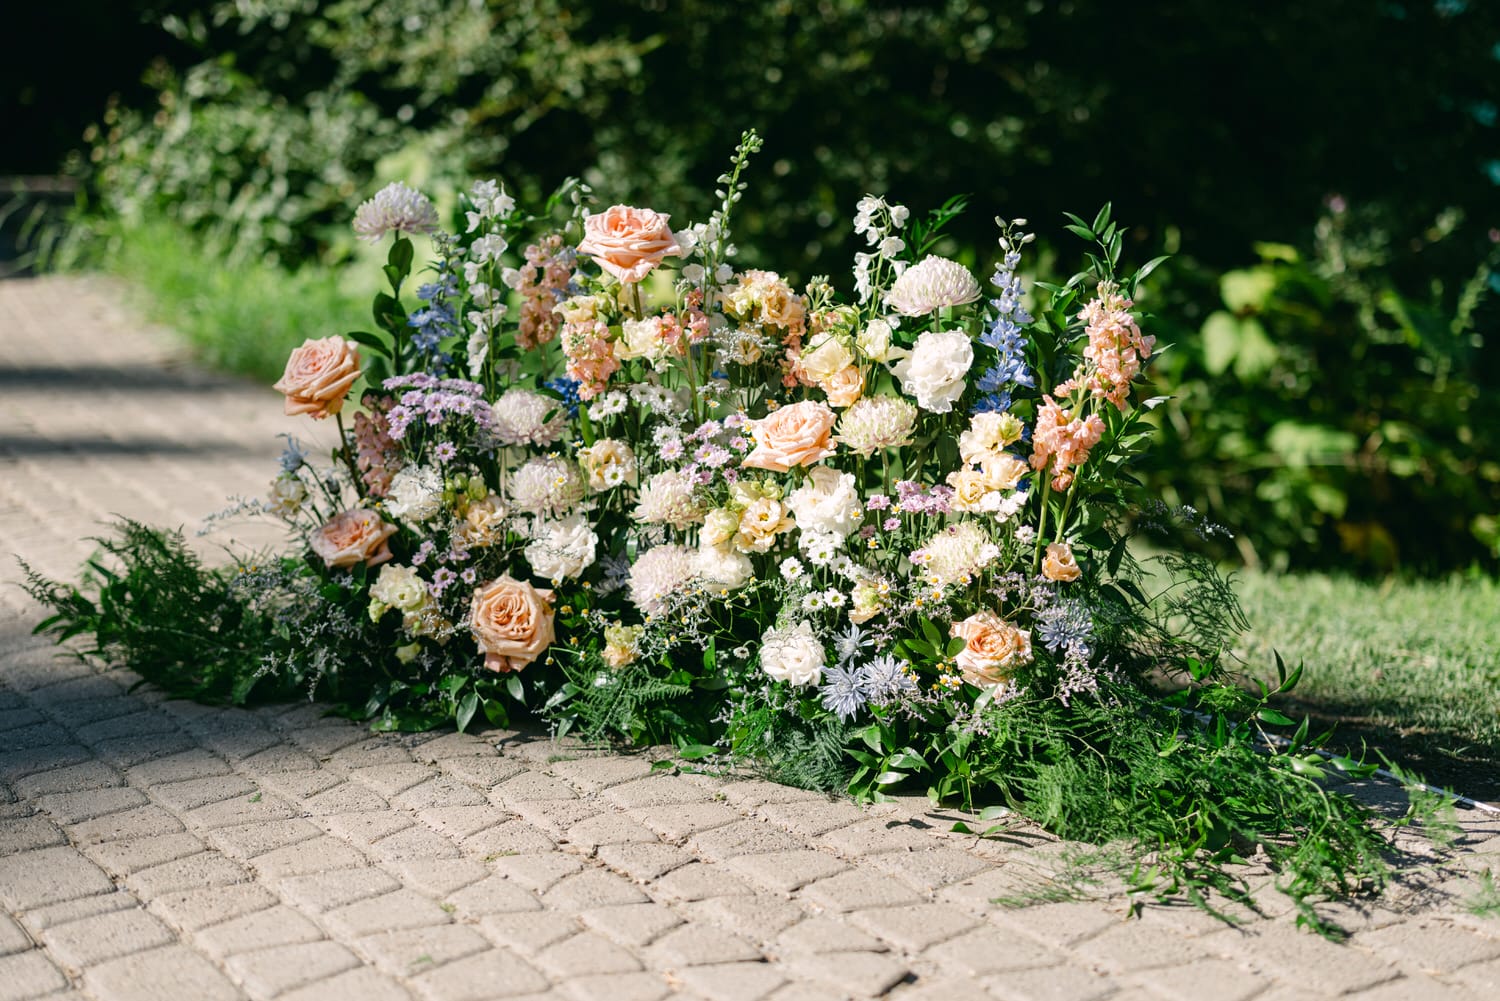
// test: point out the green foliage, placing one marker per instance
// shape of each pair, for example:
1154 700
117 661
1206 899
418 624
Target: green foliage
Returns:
156 608
1339 409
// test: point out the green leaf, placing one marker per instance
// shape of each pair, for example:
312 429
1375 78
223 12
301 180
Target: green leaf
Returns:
1102 219
516 689
1248 289
465 711
1273 717
889 778
1082 231
694 752
370 340
1221 340
1149 267
401 255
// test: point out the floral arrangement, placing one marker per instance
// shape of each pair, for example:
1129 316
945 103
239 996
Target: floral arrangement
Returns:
601 471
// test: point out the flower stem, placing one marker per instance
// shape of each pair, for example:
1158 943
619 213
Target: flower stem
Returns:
355 478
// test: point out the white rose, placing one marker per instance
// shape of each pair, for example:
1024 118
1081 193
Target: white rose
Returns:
827 503
638 340
827 356
562 548
934 371
287 494
721 566
793 655
875 340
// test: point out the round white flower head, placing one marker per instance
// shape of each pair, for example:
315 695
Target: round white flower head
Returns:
658 573
827 503
792 568
397 587
934 371
394 209
667 499
608 404
875 423
609 462
416 494
723 567
287 495
546 486
524 417
929 286
954 554
875 340
792 655
562 549
821 547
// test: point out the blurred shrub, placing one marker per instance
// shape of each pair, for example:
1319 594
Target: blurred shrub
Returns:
1342 408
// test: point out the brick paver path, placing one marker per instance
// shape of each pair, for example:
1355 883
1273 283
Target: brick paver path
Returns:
163 850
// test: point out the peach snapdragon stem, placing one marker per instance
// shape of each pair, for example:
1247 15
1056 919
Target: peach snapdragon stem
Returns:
1041 525
359 483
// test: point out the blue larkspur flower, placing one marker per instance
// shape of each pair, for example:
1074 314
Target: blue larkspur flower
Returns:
567 390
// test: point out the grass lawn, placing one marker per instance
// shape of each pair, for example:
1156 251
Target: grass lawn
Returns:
1411 667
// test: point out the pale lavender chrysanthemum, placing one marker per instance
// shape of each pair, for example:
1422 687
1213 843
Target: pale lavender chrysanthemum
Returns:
658 573
929 286
395 209
668 498
876 422
886 676
523 417
546 486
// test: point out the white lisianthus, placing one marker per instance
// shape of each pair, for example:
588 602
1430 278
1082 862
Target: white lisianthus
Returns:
416 494
403 589
825 357
792 655
719 527
826 503
608 462
721 566
288 493
562 549
934 371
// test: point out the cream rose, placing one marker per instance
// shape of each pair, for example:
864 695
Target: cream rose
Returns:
987 434
828 502
792 655
797 435
1059 564
356 536
484 522
844 387
826 356
512 623
628 242
621 645
934 371
318 376
993 649
1004 471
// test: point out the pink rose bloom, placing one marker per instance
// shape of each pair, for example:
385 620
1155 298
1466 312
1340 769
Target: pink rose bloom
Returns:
318 376
796 435
356 536
628 242
512 623
993 649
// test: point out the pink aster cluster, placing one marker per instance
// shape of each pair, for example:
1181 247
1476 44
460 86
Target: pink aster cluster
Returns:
376 453
540 281
1117 349
1061 442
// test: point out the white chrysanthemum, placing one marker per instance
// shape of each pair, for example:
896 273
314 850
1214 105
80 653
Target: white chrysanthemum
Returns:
609 404
659 573
546 486
792 568
929 286
668 499
954 554
416 494
524 417
395 209
562 549
821 547
877 422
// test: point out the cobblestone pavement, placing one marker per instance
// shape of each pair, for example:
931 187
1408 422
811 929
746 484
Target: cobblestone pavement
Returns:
152 849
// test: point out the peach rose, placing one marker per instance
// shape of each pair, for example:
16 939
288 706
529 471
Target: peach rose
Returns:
355 536
844 387
1059 564
993 649
628 242
797 435
318 376
512 623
